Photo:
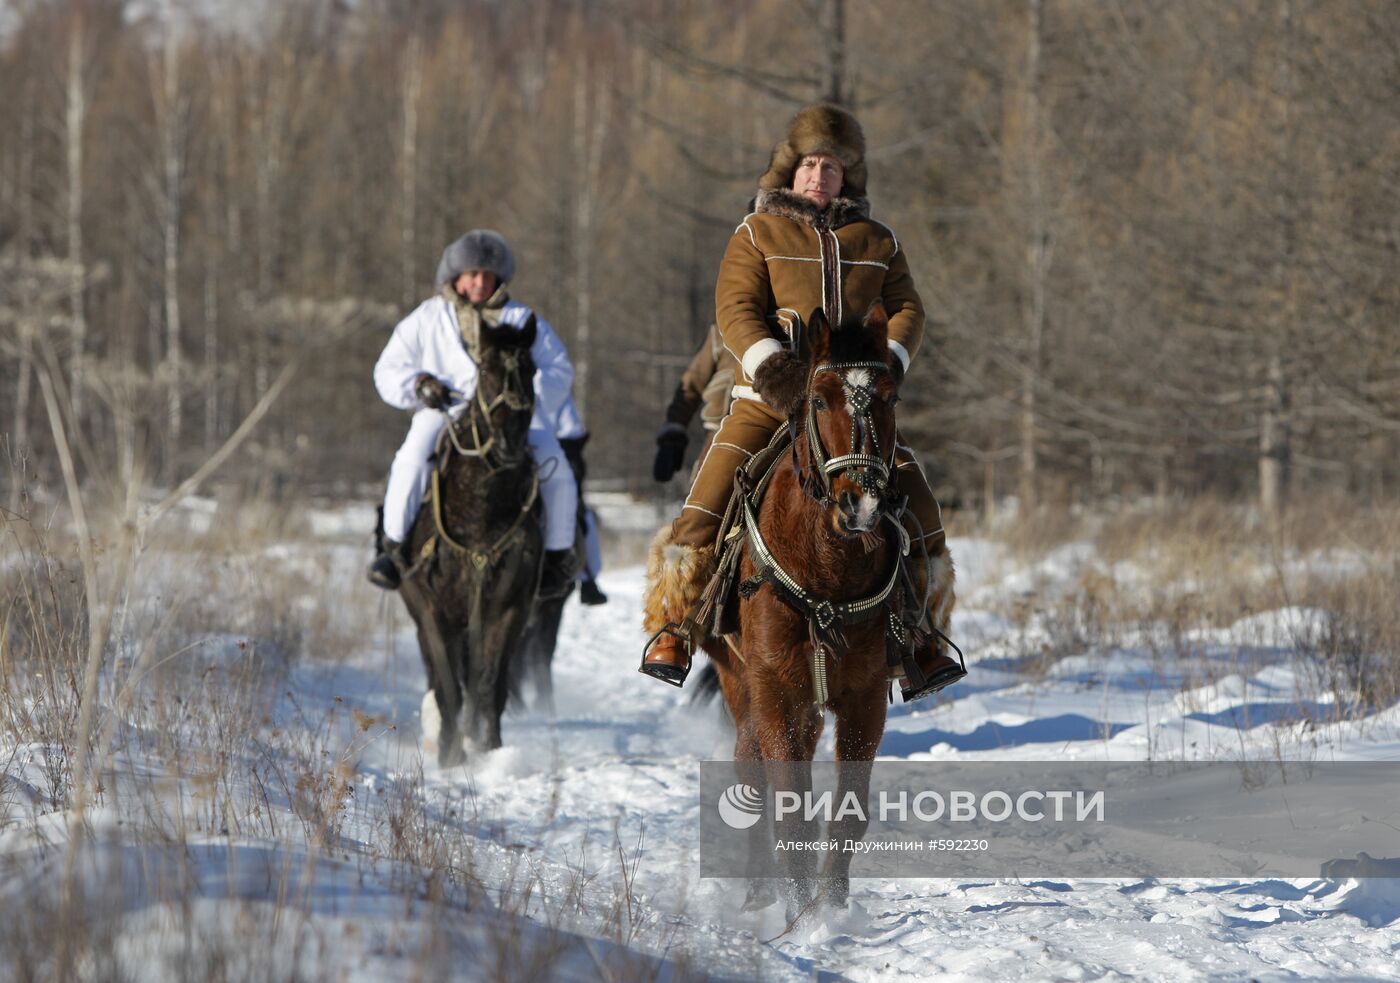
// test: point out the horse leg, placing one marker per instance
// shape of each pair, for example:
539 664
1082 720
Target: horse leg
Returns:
545 637
788 726
499 637
860 724
481 720
748 769
507 635
445 683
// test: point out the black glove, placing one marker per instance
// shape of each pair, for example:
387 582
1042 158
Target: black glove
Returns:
432 391
670 451
781 380
573 453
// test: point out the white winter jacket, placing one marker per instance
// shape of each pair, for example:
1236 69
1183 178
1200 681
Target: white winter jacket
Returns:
568 425
428 340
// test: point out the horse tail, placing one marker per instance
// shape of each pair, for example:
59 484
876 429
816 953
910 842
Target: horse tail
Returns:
706 687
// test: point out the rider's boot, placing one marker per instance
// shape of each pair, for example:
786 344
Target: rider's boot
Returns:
676 577
590 593
929 668
667 659
384 569
558 574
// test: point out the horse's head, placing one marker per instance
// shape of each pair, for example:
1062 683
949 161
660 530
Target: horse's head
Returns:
505 390
847 452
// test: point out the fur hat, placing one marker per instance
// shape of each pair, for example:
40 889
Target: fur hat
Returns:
479 249
820 129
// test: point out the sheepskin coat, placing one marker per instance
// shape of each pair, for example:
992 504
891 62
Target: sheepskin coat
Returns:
788 258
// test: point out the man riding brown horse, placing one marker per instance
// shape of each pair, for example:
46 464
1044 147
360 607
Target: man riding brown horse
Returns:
809 244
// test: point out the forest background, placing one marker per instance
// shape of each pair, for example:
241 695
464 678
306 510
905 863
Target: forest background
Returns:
1157 241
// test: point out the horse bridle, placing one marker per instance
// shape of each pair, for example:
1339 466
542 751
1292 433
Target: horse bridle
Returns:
871 472
825 617
514 395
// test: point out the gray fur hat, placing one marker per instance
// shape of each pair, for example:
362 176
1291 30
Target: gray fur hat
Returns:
479 249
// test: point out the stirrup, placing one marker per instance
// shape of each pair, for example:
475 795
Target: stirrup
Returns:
921 685
387 567
668 672
941 679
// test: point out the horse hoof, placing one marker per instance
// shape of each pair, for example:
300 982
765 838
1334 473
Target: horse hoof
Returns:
760 895
801 901
836 893
451 754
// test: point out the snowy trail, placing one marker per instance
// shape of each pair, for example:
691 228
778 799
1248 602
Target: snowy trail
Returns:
617 765
577 842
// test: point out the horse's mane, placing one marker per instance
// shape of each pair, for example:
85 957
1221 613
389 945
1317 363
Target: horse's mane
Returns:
852 343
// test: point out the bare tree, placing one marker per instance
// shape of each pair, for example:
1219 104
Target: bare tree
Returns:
410 91
75 116
171 117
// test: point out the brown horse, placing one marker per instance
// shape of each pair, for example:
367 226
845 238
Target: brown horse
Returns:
826 525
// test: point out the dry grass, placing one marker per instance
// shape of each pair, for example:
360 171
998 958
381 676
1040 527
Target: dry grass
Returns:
1165 575
197 739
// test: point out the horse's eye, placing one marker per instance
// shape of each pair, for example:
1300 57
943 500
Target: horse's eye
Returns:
818 404
893 401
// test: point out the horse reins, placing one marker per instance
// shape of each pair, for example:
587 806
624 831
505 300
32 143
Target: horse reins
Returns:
512 396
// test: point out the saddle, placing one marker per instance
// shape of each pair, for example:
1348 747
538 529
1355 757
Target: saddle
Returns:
717 611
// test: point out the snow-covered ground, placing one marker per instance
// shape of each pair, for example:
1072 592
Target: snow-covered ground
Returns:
572 851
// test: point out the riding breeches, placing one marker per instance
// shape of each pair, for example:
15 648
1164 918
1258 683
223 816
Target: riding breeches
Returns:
746 430
412 470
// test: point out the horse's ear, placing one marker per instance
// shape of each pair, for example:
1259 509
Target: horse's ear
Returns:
877 325
818 336
527 333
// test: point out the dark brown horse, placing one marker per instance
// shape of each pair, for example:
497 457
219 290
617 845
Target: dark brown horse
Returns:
824 524
476 549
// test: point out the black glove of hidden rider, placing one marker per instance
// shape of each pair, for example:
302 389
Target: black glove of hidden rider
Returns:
670 451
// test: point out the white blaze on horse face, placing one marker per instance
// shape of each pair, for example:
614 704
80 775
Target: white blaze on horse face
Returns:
867 512
859 378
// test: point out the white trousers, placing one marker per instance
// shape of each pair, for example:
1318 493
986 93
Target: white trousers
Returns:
410 473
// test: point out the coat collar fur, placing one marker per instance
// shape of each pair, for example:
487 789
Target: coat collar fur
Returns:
787 203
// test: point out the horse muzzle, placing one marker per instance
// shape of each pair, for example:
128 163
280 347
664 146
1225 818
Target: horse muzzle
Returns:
856 514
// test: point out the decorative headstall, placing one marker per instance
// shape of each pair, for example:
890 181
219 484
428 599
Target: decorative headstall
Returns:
870 471
514 395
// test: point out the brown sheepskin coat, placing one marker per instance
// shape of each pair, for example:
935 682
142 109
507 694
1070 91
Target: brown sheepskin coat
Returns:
789 258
